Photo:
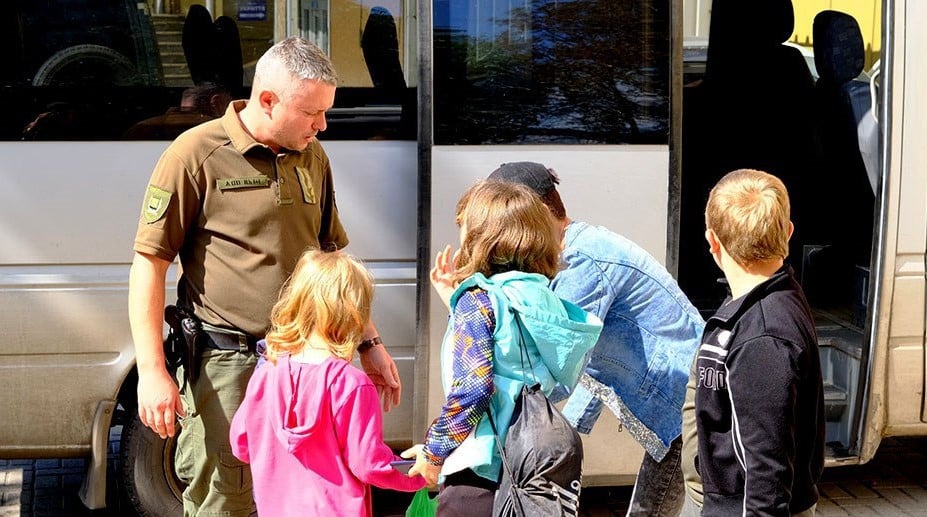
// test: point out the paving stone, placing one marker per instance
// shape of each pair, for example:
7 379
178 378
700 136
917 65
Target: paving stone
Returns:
830 511
9 498
858 509
893 484
896 496
47 482
859 490
900 482
834 491
74 463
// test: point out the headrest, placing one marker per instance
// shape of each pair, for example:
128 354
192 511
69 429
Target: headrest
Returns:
839 54
748 23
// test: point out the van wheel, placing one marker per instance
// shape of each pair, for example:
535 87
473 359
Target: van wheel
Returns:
147 464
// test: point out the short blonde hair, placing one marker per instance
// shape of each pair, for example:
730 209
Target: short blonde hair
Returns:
508 229
749 212
329 294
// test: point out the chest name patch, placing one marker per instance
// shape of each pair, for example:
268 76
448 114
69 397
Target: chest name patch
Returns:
156 202
246 182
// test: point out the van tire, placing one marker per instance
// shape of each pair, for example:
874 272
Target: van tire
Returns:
147 465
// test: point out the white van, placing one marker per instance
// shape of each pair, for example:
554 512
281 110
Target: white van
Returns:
468 85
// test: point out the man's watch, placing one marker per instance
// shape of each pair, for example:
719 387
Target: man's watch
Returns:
367 344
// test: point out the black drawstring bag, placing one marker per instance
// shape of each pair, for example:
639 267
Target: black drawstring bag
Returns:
542 461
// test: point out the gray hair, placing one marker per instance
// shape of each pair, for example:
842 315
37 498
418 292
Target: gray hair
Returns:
294 58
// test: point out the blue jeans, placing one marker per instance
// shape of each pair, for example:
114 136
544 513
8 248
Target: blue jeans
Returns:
659 490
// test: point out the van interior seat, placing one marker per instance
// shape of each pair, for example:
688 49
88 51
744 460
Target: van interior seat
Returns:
752 110
839 52
841 105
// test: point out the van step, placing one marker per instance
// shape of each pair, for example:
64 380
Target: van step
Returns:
835 402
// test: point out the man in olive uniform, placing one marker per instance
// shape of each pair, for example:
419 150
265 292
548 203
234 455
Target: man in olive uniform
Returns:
238 199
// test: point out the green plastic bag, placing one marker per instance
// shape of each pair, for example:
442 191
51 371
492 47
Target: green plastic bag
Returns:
422 505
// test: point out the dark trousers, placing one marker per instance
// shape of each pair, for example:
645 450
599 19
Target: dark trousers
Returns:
465 494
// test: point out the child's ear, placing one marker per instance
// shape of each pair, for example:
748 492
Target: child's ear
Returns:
714 245
791 229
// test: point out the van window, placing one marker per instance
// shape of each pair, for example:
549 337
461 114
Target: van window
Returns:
529 72
123 70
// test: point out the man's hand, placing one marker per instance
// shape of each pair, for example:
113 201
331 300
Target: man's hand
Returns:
443 274
158 402
422 467
381 369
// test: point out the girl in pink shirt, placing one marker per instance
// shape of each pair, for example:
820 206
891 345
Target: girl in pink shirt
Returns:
310 424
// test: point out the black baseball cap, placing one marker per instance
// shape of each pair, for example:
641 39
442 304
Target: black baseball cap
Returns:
531 174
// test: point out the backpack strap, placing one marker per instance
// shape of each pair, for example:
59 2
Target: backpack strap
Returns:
523 349
516 498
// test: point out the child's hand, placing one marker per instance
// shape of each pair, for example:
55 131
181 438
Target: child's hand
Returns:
442 274
422 467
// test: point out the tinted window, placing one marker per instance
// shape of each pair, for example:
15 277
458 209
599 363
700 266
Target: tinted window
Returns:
116 69
581 71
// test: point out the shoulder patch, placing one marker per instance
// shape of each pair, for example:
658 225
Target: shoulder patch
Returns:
156 202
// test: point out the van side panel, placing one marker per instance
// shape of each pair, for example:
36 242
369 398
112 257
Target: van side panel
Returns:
907 363
68 214
623 188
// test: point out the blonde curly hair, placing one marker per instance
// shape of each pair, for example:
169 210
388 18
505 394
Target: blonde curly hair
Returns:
328 294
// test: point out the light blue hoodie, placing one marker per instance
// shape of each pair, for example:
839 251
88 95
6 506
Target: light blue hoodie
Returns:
557 334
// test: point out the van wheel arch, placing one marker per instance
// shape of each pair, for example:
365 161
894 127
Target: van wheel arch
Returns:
121 67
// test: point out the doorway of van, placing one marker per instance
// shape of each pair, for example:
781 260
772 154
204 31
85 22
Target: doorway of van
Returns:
789 88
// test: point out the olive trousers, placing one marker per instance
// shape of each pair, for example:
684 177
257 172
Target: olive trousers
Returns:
218 484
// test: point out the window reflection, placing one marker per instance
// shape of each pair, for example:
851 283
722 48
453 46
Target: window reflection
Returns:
581 71
129 69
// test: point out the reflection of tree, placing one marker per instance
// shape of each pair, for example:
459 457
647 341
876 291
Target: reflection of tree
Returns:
591 71
500 71
483 85
605 63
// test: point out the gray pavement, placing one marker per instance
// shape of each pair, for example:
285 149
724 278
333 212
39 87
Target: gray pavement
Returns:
893 484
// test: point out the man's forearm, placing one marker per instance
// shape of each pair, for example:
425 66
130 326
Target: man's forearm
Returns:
146 310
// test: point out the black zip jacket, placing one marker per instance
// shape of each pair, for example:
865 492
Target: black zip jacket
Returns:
759 403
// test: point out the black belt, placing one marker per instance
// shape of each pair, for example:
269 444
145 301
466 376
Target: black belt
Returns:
230 341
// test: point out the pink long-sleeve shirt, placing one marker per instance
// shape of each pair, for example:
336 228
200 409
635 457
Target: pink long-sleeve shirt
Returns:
313 434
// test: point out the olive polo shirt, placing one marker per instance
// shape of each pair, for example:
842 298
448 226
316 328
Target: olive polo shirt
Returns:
239 216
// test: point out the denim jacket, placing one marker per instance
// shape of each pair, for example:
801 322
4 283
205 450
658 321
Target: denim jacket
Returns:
640 364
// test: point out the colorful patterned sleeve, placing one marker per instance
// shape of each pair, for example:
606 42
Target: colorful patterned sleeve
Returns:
472 386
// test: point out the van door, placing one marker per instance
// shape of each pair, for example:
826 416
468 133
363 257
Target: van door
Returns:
895 404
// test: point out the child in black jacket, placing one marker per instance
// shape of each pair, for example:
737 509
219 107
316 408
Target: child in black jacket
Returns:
759 398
